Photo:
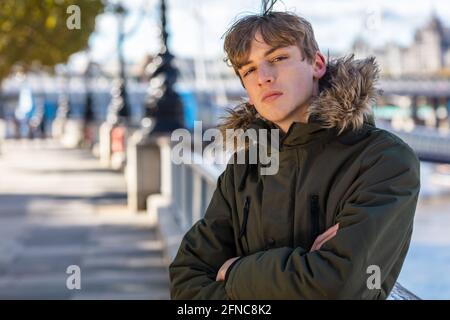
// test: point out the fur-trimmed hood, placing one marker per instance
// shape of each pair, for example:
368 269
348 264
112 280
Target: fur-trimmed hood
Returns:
347 93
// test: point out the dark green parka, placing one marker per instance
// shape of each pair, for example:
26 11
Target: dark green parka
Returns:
337 168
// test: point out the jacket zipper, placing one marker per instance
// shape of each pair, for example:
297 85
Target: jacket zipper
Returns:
243 230
315 212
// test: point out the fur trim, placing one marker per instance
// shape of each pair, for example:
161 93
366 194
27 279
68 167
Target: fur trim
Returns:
239 117
347 95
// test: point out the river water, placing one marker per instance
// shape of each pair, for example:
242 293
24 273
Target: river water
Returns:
427 265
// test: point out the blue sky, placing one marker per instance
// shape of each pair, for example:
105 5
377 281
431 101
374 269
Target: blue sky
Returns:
196 26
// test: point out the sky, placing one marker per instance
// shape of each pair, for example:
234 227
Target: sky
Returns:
196 27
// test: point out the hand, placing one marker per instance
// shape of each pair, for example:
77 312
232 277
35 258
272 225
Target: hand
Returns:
324 237
223 269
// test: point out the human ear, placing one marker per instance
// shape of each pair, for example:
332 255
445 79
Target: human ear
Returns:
320 66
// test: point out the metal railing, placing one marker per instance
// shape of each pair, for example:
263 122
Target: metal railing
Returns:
192 188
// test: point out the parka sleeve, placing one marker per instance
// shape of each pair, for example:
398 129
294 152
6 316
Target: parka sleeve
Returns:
375 218
204 248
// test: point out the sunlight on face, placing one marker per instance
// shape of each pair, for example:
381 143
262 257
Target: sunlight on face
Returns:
278 81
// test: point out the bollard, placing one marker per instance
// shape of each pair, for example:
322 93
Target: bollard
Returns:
105 144
73 133
144 168
118 142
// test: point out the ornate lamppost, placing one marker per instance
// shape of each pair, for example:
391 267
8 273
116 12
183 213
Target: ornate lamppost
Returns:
147 152
163 106
118 110
88 114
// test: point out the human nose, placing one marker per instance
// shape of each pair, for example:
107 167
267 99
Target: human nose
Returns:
265 75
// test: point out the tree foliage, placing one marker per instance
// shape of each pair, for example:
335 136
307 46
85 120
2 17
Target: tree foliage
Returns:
34 32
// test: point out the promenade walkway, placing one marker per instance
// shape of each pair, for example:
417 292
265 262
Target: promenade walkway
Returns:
59 208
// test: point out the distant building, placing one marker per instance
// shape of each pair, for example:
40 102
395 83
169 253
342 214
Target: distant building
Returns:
428 55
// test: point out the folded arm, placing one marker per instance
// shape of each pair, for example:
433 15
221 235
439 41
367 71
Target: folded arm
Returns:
204 249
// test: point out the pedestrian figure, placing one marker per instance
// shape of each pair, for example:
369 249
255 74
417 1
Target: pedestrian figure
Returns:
343 199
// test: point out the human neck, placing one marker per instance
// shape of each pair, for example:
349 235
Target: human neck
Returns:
299 115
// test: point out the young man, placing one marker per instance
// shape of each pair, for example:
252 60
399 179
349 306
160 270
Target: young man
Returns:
343 200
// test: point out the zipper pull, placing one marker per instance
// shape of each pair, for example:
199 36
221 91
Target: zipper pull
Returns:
315 215
244 221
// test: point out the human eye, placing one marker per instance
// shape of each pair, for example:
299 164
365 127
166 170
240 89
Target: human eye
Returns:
246 73
279 58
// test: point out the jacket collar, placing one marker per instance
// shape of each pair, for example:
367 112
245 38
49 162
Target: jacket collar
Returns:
298 133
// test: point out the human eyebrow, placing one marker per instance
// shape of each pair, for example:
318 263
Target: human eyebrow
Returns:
267 53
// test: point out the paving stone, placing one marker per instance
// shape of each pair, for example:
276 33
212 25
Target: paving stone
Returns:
59 208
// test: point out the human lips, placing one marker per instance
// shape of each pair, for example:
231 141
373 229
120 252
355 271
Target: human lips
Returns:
271 95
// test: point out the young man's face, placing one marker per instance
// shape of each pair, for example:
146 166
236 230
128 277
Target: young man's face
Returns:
279 82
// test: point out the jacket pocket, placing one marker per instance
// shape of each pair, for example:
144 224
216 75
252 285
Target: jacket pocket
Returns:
314 210
243 229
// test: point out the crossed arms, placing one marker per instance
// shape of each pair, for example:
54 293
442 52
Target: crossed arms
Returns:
375 226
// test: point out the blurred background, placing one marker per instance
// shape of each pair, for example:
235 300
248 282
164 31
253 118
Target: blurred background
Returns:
90 91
